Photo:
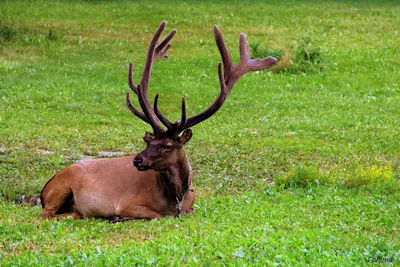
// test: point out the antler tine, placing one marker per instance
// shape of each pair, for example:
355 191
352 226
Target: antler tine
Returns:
221 78
134 110
162 49
223 50
177 126
130 79
246 64
243 48
160 116
134 88
182 123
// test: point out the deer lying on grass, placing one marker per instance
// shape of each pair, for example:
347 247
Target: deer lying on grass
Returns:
156 182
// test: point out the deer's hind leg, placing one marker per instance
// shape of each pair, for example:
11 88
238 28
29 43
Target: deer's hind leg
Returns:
57 201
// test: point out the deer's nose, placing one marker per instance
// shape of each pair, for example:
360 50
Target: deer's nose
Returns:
137 161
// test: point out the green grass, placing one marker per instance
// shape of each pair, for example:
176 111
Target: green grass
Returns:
325 226
324 126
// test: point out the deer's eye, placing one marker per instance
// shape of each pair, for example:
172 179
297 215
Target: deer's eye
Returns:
167 147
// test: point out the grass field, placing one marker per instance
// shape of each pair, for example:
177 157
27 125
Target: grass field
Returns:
301 166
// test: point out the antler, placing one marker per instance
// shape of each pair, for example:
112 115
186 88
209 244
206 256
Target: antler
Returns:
230 75
154 52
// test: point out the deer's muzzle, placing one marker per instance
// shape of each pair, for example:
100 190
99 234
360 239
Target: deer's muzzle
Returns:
138 162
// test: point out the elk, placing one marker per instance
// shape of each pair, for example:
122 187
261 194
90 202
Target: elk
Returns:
157 182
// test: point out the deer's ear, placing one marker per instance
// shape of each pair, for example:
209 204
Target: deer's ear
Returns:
147 137
186 135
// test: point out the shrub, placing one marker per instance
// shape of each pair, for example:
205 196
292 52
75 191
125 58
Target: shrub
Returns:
302 177
7 33
305 57
51 36
377 176
25 35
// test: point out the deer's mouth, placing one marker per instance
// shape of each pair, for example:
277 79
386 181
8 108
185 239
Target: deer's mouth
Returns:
146 168
143 168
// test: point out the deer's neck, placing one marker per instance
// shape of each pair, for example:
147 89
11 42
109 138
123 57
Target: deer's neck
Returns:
176 178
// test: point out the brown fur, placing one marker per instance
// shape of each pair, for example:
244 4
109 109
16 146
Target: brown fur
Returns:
112 187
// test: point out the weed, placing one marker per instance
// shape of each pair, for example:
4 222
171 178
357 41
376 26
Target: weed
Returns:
373 176
305 57
7 33
25 35
51 36
302 177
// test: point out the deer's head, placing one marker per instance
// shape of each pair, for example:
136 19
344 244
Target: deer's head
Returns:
162 151
165 146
